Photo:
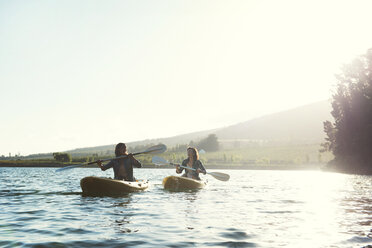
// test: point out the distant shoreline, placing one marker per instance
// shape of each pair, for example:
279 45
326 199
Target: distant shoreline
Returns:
151 166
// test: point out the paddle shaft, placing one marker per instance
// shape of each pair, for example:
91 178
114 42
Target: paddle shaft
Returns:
155 149
217 175
108 159
183 167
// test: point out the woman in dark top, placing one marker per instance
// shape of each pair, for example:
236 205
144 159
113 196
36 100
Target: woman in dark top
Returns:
123 167
193 162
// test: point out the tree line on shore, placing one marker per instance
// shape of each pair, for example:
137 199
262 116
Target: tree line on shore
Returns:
349 136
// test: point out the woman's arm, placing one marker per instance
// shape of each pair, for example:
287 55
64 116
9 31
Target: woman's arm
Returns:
105 167
201 168
135 162
180 169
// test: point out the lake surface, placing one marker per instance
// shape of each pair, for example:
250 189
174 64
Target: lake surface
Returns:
42 208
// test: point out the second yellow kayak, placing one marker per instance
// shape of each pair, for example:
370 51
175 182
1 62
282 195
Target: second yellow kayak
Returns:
176 183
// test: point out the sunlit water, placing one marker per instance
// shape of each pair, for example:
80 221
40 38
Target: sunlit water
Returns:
42 208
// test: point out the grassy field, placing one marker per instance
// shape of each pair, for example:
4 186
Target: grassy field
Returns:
31 163
264 155
289 155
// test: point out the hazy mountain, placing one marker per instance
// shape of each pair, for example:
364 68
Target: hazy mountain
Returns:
170 141
300 125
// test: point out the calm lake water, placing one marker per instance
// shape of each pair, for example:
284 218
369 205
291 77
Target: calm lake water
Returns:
42 208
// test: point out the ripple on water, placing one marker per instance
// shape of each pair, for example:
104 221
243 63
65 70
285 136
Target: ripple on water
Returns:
235 234
6 244
32 212
75 231
279 212
42 231
10 193
359 239
231 244
182 244
18 192
78 244
26 219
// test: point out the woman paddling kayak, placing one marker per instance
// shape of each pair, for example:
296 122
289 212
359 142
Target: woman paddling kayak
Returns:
193 162
123 168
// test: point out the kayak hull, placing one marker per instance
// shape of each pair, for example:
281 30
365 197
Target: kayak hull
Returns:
100 186
176 183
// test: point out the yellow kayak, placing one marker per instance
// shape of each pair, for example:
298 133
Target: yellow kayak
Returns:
107 186
175 183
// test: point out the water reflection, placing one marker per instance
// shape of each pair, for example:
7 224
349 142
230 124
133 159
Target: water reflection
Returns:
358 209
120 225
123 202
255 208
333 202
122 212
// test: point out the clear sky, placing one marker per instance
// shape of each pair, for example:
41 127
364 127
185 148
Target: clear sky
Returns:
85 73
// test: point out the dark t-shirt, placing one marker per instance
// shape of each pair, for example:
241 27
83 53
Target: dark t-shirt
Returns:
123 168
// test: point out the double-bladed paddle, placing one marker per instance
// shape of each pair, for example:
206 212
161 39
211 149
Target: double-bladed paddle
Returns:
151 150
218 175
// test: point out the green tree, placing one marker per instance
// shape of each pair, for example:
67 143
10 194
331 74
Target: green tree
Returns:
320 160
209 144
349 137
62 157
179 148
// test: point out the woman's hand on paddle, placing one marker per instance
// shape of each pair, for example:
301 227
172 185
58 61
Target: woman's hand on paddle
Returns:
99 162
130 155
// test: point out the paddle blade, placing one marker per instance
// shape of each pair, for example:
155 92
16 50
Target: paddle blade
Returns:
220 176
156 149
159 161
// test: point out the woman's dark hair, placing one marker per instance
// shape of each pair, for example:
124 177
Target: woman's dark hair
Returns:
195 154
118 148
